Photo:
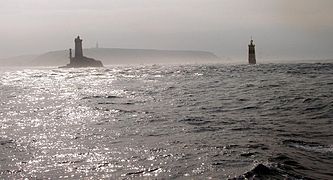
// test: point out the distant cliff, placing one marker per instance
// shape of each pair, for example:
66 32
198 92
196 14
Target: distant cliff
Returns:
111 56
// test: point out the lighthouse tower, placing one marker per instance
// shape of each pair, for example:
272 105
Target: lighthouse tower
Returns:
78 47
252 53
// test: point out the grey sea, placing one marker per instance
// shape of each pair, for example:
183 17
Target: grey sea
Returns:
268 121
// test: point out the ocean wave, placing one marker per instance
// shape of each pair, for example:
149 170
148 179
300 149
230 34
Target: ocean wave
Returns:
271 121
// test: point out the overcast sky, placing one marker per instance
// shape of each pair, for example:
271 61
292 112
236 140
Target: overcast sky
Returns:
282 29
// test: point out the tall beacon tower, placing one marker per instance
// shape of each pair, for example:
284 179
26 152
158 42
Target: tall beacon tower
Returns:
78 47
252 53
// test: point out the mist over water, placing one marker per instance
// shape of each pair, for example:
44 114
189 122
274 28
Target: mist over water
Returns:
180 121
283 29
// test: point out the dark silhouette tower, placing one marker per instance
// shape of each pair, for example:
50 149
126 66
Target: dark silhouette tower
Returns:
252 53
70 55
78 47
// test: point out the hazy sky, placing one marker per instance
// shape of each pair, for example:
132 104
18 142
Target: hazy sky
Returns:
282 29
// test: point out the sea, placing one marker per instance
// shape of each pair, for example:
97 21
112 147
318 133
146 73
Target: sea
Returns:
190 121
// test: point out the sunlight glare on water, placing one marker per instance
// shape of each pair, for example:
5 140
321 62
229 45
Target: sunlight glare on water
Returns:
166 121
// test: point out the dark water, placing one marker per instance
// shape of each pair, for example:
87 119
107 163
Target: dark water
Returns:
168 122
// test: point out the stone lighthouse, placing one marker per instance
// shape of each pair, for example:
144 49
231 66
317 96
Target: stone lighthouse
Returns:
252 53
79 60
78 47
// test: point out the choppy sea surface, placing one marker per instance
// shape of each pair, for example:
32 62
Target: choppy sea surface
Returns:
269 121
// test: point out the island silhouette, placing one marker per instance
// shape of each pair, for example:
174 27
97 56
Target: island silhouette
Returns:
79 60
